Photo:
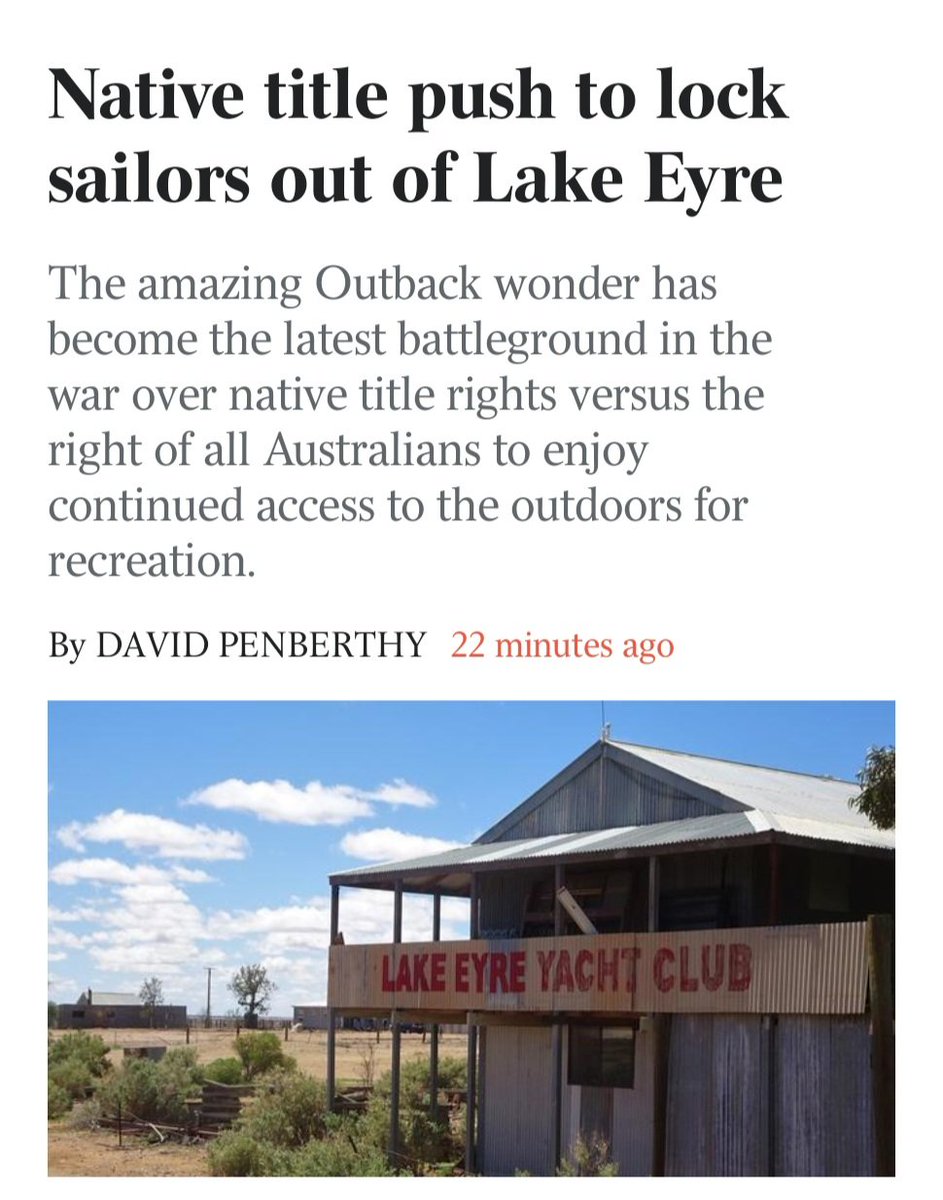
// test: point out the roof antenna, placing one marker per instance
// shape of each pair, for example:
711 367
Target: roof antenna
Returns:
606 731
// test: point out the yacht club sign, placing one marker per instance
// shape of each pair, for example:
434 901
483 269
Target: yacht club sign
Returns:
805 968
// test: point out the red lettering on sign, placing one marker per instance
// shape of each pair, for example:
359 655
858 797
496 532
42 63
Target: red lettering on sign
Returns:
563 978
545 960
741 967
518 971
632 954
387 979
420 981
663 958
583 968
607 967
479 962
499 972
403 980
437 972
688 981
461 971
712 979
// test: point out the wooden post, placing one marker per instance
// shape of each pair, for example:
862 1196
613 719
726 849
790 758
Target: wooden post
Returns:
661 1032
472 1089
396 1035
774 884
331 1032
434 1036
881 990
661 1041
653 886
472 1059
556 1034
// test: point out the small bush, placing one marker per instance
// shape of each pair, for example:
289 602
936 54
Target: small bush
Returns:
343 1152
589 1158
86 1048
422 1140
152 1091
58 1101
223 1070
340 1152
235 1153
290 1115
260 1053
86 1115
72 1076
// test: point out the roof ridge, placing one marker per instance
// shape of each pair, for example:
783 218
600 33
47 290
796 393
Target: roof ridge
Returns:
736 762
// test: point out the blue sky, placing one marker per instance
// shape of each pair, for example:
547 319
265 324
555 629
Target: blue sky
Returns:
191 835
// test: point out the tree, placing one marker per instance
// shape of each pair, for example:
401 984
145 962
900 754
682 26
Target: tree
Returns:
252 990
151 996
876 777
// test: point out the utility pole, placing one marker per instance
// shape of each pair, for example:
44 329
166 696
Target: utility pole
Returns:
209 988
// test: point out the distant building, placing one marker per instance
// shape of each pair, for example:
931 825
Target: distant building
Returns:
686 957
118 1010
310 1016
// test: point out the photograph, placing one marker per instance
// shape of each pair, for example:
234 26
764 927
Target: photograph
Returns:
500 939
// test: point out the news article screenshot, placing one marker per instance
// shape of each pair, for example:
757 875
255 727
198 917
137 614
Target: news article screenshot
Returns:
469 551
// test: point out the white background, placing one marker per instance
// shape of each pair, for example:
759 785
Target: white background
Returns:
825 592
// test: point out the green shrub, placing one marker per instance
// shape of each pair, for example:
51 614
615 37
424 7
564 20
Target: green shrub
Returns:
235 1153
423 1141
152 1091
289 1115
260 1053
223 1070
589 1158
58 1101
72 1076
85 1048
341 1151
344 1151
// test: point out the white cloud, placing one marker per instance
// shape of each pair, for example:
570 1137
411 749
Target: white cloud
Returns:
280 801
65 937
84 913
104 870
385 845
401 792
152 893
314 804
190 875
159 836
109 870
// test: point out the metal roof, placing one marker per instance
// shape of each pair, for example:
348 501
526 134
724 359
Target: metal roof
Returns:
719 827
111 999
785 793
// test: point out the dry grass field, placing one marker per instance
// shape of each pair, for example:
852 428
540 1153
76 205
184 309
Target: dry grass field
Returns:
361 1058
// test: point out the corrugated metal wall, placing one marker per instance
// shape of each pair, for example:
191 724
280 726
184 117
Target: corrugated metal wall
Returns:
515 1129
606 795
822 1098
503 897
718 1088
730 870
747 1096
